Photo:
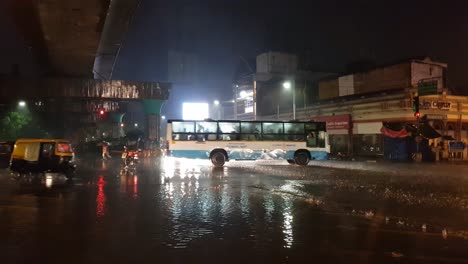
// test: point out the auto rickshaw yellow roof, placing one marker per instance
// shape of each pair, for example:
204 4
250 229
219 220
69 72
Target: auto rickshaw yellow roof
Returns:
44 140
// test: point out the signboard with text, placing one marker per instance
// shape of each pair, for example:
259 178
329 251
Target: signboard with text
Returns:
427 87
456 145
435 105
334 122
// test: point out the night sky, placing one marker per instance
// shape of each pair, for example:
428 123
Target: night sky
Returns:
329 34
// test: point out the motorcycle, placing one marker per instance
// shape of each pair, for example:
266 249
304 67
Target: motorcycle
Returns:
131 157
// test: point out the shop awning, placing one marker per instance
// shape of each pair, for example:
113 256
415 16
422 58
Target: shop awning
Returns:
393 133
427 131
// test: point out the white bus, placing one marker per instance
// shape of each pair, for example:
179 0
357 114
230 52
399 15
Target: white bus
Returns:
224 140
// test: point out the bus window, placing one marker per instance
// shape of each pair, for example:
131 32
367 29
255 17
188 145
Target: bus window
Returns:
310 126
312 139
272 131
272 128
294 128
211 137
183 127
251 137
229 127
294 131
321 139
229 130
183 136
206 127
273 137
251 127
183 130
251 131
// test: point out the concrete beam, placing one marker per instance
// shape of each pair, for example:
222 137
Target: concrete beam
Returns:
82 88
64 35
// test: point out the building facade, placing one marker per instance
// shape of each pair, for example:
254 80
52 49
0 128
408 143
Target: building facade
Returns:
356 107
262 93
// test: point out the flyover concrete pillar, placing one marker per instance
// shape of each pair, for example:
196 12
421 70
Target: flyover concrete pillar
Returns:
116 120
152 108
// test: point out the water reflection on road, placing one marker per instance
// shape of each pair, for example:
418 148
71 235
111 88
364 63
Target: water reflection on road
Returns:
176 209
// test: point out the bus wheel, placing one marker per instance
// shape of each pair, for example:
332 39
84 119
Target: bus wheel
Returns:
218 158
301 158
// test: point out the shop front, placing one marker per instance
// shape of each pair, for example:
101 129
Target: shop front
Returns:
339 132
367 139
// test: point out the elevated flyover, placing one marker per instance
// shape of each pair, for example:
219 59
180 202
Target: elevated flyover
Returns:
76 44
92 89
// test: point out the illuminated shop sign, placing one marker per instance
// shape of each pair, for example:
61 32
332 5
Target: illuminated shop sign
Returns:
436 105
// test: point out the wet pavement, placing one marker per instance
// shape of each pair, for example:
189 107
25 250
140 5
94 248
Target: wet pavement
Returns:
185 211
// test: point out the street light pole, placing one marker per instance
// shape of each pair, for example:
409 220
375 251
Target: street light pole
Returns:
255 97
236 89
290 85
294 100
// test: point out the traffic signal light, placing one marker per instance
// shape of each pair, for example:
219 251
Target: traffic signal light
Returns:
102 112
416 106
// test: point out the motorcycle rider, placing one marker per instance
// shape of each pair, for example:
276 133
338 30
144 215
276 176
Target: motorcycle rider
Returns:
124 156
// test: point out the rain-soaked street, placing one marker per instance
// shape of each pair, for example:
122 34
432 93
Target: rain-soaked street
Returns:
185 211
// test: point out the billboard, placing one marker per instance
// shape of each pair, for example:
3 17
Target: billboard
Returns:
195 111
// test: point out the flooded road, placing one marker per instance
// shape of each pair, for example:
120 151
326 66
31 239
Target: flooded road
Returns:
185 211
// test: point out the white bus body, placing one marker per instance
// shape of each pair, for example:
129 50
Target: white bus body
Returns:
206 140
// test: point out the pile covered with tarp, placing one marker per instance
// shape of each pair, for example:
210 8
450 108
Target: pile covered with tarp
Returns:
428 132
399 140
396 140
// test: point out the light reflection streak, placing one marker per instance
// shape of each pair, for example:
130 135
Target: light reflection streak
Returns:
169 188
103 165
288 223
135 186
100 198
225 200
244 201
185 197
168 167
269 206
123 181
48 181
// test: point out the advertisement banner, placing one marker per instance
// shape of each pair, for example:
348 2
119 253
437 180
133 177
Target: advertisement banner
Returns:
334 122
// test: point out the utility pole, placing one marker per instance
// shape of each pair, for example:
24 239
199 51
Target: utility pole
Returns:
254 97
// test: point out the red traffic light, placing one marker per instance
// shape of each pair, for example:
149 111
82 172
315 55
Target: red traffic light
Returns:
102 112
417 114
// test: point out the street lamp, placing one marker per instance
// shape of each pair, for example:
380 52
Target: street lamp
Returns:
21 103
243 94
289 85
217 109
163 117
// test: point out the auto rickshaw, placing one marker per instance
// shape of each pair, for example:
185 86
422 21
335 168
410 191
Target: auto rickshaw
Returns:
43 155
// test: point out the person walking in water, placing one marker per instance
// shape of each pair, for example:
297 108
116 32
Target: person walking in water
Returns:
105 151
